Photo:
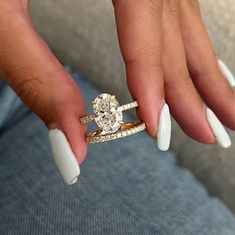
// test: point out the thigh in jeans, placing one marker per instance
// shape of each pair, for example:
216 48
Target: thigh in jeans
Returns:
125 187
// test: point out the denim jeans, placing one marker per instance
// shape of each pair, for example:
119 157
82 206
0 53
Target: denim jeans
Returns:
126 186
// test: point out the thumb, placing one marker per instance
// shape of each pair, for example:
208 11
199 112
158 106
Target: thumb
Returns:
41 82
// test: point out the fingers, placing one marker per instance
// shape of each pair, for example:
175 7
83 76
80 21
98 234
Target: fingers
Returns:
44 86
185 103
140 37
206 72
139 33
66 134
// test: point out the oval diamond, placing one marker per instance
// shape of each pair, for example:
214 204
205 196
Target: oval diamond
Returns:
108 116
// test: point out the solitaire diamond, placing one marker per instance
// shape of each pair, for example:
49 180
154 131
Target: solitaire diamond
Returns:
108 115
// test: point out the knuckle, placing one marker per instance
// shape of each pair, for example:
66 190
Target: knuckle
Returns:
194 5
185 77
155 4
146 54
172 3
149 62
173 8
29 91
174 78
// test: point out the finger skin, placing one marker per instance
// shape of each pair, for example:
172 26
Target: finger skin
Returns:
203 65
31 69
185 103
139 33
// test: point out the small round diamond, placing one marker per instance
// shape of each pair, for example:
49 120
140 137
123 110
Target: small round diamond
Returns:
108 116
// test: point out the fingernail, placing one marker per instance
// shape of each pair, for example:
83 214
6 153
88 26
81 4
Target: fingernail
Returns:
227 73
164 129
218 129
63 156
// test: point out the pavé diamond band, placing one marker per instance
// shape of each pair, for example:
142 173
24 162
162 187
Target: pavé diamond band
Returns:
107 113
128 128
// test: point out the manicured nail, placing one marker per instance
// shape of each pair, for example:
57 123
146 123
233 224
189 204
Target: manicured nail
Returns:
63 156
218 129
164 129
227 73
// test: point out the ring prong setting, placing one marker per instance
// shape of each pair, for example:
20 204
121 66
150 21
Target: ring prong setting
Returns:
108 115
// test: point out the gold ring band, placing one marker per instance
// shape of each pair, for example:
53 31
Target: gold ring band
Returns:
127 129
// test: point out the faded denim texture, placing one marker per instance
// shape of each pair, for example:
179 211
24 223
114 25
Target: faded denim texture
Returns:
126 186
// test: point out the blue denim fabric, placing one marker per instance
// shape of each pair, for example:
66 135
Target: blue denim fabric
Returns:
125 187
11 108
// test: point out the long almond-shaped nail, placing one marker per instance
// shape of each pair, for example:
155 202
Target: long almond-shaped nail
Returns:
164 129
63 156
218 129
227 73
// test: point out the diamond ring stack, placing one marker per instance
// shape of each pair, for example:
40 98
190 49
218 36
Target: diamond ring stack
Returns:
107 113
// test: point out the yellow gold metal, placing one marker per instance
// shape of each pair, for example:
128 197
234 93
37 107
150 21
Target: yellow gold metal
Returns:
127 129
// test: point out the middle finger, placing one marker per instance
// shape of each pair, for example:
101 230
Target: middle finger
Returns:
185 103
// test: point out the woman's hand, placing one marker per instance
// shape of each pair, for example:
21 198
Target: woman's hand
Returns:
169 58
44 86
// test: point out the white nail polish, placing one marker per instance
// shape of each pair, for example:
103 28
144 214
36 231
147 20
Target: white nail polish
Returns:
218 129
227 73
63 156
164 129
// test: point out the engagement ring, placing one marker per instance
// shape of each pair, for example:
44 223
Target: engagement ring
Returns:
107 113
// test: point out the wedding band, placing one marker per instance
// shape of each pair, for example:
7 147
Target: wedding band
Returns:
108 115
127 129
